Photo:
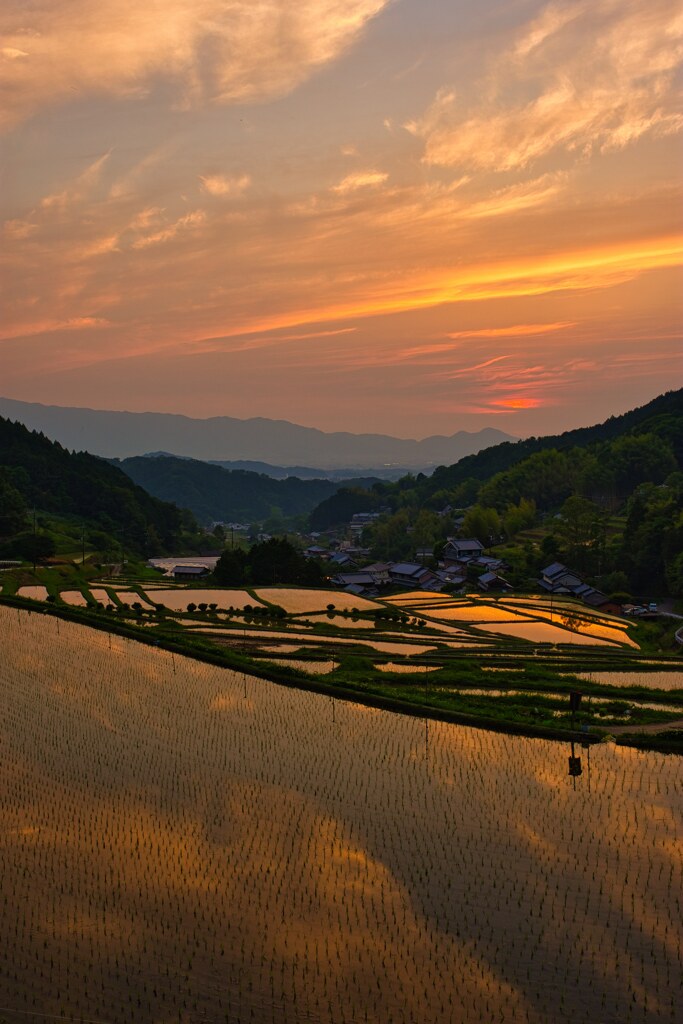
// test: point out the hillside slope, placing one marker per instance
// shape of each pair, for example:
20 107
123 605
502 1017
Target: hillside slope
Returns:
216 494
39 474
604 464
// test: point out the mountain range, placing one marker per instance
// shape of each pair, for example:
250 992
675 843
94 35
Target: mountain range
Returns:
224 438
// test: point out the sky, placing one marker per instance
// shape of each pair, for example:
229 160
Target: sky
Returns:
402 216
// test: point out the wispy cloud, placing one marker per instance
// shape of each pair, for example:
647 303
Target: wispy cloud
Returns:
513 331
186 223
360 180
76 323
584 76
205 52
222 186
78 189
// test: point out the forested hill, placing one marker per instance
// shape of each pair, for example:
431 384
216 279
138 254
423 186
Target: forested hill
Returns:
213 493
605 462
663 416
36 473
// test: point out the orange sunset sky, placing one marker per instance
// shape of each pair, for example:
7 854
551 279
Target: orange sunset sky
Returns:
406 216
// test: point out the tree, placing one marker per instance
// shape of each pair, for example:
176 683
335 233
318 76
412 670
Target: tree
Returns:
231 567
12 506
388 537
482 523
33 547
581 530
519 517
272 561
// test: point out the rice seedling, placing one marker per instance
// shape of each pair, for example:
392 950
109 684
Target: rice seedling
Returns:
199 844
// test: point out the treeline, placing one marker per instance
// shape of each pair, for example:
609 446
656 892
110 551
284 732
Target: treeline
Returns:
272 561
39 474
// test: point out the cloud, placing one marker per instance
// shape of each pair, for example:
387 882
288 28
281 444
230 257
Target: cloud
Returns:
360 180
220 186
517 403
79 189
188 222
208 51
584 76
514 331
76 323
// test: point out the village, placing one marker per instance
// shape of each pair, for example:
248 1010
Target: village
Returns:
461 564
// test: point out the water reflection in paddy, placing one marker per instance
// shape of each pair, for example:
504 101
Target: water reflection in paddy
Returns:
36 593
283 856
541 632
301 601
580 624
75 598
652 680
178 599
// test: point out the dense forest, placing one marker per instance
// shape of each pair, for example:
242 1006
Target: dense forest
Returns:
39 476
610 498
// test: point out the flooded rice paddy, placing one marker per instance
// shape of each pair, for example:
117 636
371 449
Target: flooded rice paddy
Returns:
651 680
301 601
75 598
35 593
180 842
541 632
179 598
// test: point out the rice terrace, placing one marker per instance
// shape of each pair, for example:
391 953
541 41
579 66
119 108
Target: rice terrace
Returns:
185 840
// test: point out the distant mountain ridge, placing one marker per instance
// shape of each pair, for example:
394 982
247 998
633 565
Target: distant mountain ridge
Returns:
300 472
224 438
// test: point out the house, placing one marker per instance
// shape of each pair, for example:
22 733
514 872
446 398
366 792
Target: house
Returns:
424 554
315 551
462 549
558 579
380 573
189 572
410 574
341 560
492 581
360 520
456 576
489 564
355 582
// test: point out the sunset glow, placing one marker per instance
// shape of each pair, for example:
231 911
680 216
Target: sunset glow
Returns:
370 215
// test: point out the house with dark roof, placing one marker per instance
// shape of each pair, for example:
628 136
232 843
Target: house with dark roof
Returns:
410 574
355 582
558 579
456 576
492 581
462 549
190 572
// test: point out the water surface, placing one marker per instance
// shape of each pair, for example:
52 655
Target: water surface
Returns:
184 843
